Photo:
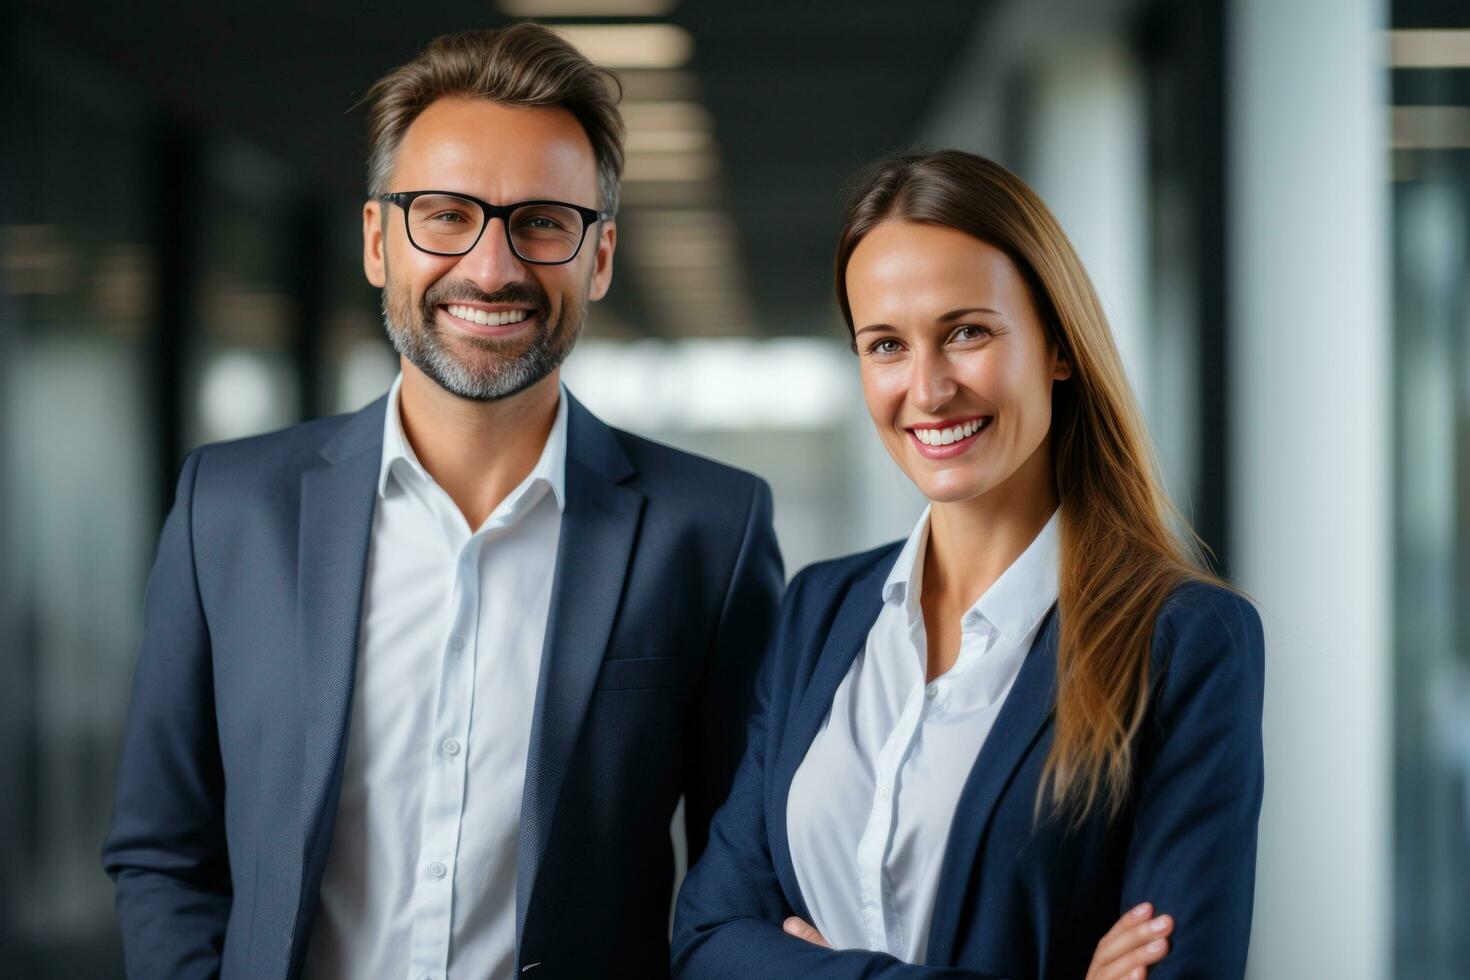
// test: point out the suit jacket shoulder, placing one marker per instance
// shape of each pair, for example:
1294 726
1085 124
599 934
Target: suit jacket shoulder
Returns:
1206 623
828 581
719 490
275 460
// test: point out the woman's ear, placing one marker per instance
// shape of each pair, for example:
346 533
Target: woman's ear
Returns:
1061 368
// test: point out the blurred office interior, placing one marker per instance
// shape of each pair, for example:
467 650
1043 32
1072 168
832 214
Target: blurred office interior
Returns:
1272 196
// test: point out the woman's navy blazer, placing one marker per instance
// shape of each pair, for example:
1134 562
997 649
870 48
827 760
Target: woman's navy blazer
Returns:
1019 896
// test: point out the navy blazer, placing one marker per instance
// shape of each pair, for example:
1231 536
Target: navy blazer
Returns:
1016 898
666 585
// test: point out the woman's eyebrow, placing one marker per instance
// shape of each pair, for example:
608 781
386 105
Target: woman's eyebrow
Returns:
951 315
956 314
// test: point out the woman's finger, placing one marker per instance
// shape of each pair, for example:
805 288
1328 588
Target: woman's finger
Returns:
1134 966
1134 916
1114 947
801 929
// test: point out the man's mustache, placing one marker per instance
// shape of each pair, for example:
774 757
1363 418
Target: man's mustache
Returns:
515 294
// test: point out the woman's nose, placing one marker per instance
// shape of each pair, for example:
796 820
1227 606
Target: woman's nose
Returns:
931 383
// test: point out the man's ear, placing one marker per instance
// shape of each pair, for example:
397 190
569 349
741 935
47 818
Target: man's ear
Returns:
374 248
607 242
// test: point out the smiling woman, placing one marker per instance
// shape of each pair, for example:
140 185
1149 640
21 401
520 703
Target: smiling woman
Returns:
955 230
1026 742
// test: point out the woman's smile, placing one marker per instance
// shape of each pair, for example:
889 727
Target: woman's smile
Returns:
948 438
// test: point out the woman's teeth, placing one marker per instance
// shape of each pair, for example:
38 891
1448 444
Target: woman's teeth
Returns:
944 437
471 315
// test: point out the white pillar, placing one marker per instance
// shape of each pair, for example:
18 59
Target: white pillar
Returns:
1311 405
1085 154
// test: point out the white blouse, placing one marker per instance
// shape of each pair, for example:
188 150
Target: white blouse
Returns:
871 805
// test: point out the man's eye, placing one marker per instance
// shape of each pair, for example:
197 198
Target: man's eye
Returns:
448 217
538 222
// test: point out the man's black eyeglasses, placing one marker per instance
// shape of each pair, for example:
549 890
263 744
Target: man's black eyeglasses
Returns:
449 223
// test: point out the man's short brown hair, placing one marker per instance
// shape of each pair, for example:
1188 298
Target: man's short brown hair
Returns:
525 65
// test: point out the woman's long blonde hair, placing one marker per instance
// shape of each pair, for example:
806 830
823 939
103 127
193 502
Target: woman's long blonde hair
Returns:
1124 546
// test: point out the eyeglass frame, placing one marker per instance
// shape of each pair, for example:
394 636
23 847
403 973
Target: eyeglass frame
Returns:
589 216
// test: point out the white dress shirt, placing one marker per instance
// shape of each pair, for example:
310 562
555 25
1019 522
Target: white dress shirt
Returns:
420 880
871 805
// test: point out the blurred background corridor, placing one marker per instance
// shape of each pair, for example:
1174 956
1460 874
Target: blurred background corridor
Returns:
1272 196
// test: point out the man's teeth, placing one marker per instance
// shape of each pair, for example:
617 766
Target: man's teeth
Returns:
471 315
944 437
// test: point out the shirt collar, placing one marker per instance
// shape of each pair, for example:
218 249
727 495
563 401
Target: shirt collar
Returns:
1012 605
1026 590
400 462
907 568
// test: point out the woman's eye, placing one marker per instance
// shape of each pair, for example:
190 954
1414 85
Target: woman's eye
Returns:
886 346
970 332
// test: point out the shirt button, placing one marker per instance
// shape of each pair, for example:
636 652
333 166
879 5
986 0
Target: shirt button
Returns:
457 644
437 870
931 692
883 794
451 747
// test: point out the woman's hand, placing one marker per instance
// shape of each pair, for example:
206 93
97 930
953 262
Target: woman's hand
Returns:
1135 943
801 929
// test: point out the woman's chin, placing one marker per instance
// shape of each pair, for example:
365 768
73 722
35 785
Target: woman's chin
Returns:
952 490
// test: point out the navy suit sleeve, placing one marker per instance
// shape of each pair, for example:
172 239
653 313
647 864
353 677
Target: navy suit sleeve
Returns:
1192 852
727 921
166 850
717 726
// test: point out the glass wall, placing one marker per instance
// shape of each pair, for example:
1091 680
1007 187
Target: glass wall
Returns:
161 285
1431 269
242 372
79 460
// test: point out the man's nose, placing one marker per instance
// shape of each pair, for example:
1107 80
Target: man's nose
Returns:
491 264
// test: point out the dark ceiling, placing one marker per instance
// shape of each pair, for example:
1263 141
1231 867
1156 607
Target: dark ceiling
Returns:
801 95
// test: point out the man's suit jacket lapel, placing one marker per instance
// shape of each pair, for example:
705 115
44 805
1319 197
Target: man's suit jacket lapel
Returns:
336 517
599 525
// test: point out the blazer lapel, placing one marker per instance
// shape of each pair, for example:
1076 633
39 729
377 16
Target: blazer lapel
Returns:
1022 718
846 638
337 501
598 529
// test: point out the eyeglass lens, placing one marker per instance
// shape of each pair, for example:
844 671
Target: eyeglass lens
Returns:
538 232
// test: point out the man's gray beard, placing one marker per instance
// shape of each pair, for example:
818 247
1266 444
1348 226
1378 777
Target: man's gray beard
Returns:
505 375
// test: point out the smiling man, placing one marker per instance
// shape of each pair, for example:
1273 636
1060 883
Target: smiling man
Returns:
421 686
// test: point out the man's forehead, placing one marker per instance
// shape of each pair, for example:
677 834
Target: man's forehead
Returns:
484 147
